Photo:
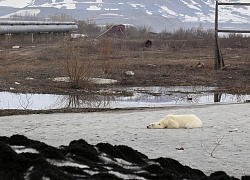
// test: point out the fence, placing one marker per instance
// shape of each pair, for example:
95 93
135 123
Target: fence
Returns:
218 57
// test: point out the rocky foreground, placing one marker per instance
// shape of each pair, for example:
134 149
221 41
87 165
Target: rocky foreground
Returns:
23 158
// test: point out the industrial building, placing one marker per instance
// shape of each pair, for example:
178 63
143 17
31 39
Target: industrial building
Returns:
35 30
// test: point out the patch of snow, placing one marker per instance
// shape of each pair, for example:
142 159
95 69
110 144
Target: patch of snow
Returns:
45 178
111 14
94 8
15 3
129 73
74 36
111 9
16 47
192 6
23 149
103 81
66 163
124 164
165 8
140 5
106 91
28 173
29 78
94 80
190 18
23 13
70 6
61 79
149 12
126 176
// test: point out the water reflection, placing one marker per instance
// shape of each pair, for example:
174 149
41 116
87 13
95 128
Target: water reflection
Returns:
222 97
85 101
133 97
217 97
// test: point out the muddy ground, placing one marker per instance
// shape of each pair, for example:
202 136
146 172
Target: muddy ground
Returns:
32 67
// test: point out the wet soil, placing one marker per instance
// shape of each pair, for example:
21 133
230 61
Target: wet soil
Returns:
32 68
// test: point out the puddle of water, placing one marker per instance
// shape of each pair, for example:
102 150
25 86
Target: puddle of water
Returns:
177 95
140 97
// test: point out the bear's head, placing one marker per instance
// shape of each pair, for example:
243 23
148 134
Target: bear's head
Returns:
156 125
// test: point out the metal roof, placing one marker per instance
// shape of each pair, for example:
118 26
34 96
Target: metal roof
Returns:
36 23
36 26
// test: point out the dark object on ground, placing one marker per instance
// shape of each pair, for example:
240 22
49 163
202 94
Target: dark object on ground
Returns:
148 43
22 158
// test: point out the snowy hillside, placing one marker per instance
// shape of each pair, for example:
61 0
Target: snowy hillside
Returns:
157 14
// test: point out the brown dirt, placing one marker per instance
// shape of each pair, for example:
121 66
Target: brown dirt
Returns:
32 67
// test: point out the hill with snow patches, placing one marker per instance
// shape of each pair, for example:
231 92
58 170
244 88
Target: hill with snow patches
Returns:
157 15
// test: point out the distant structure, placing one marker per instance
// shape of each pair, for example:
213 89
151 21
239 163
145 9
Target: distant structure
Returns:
36 29
15 27
117 30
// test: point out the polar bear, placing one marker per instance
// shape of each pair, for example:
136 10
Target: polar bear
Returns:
177 121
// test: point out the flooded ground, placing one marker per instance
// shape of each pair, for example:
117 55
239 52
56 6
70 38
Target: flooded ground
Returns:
111 98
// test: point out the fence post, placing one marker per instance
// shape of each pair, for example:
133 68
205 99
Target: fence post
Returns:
218 57
216 45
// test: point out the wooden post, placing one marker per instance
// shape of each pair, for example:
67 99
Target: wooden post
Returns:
216 46
32 37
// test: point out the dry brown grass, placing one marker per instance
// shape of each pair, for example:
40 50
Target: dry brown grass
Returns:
105 50
160 65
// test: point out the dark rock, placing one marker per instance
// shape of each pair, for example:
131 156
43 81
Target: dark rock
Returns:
52 153
122 152
245 178
22 158
81 151
12 165
176 169
220 175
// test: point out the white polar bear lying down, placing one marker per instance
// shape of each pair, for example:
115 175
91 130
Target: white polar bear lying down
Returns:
177 121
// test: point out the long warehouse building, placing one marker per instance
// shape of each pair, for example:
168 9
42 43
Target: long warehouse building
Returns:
16 27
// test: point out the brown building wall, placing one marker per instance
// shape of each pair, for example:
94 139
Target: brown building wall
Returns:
118 30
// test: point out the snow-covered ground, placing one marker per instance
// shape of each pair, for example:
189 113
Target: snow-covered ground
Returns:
224 135
193 11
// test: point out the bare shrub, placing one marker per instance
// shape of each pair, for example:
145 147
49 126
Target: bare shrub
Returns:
25 102
194 37
211 153
89 28
137 33
234 40
61 17
78 73
77 66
